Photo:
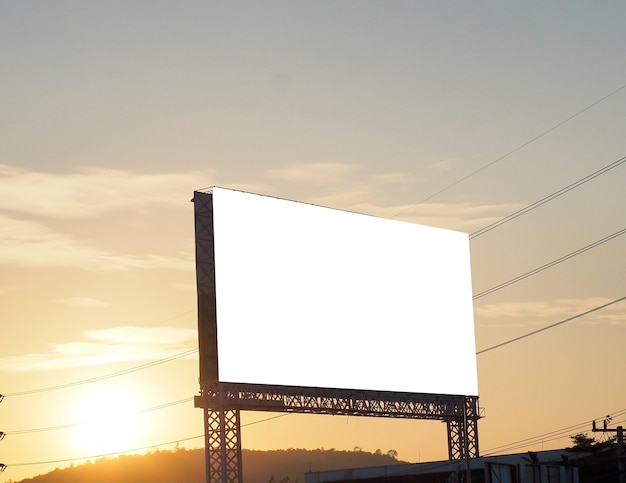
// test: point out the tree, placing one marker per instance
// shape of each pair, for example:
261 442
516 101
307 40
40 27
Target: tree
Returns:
582 442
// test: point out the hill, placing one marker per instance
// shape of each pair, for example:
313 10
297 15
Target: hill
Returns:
284 466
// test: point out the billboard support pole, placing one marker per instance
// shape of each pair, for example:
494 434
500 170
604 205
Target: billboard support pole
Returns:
222 429
463 432
222 424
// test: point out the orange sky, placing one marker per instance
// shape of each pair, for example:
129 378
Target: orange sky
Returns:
113 114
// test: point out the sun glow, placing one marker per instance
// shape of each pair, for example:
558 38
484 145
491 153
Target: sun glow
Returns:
109 421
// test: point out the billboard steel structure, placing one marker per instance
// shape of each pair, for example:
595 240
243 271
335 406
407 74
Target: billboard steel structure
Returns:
222 401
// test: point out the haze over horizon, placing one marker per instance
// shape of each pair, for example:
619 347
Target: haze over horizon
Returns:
437 113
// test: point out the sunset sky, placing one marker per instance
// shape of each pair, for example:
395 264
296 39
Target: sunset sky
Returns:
449 114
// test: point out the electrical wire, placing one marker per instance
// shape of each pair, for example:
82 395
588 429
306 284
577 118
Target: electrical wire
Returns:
84 423
550 264
515 445
107 376
103 377
521 146
569 319
549 434
104 455
533 441
550 197
174 317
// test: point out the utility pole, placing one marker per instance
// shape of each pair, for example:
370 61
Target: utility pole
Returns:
620 445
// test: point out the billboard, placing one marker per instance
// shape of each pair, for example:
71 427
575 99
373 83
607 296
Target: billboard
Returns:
311 296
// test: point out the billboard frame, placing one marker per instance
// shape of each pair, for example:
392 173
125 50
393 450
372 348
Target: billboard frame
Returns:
222 402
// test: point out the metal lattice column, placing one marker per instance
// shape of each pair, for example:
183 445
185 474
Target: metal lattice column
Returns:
463 432
205 281
223 446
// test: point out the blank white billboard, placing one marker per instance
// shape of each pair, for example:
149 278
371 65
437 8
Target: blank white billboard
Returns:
313 296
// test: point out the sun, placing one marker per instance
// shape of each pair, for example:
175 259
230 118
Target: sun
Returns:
108 420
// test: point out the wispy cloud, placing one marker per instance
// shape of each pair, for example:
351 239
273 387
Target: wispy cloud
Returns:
394 178
361 190
314 173
29 243
443 165
532 313
91 191
83 302
465 216
35 201
117 344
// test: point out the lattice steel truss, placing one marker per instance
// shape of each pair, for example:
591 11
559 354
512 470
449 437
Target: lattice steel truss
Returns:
463 433
461 414
223 446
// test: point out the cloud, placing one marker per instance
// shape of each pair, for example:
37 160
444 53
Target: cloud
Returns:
92 191
394 178
464 216
550 311
360 190
33 200
139 336
29 243
314 173
444 165
84 302
116 344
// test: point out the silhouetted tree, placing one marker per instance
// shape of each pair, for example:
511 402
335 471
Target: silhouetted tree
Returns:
582 442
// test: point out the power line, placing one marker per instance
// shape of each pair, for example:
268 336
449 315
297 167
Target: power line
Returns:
521 146
552 436
542 201
510 341
550 264
104 455
513 445
174 317
549 434
84 423
491 452
105 376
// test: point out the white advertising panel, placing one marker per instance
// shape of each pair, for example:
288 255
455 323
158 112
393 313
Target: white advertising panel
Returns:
313 296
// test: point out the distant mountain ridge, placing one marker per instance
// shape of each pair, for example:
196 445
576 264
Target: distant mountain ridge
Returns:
182 465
